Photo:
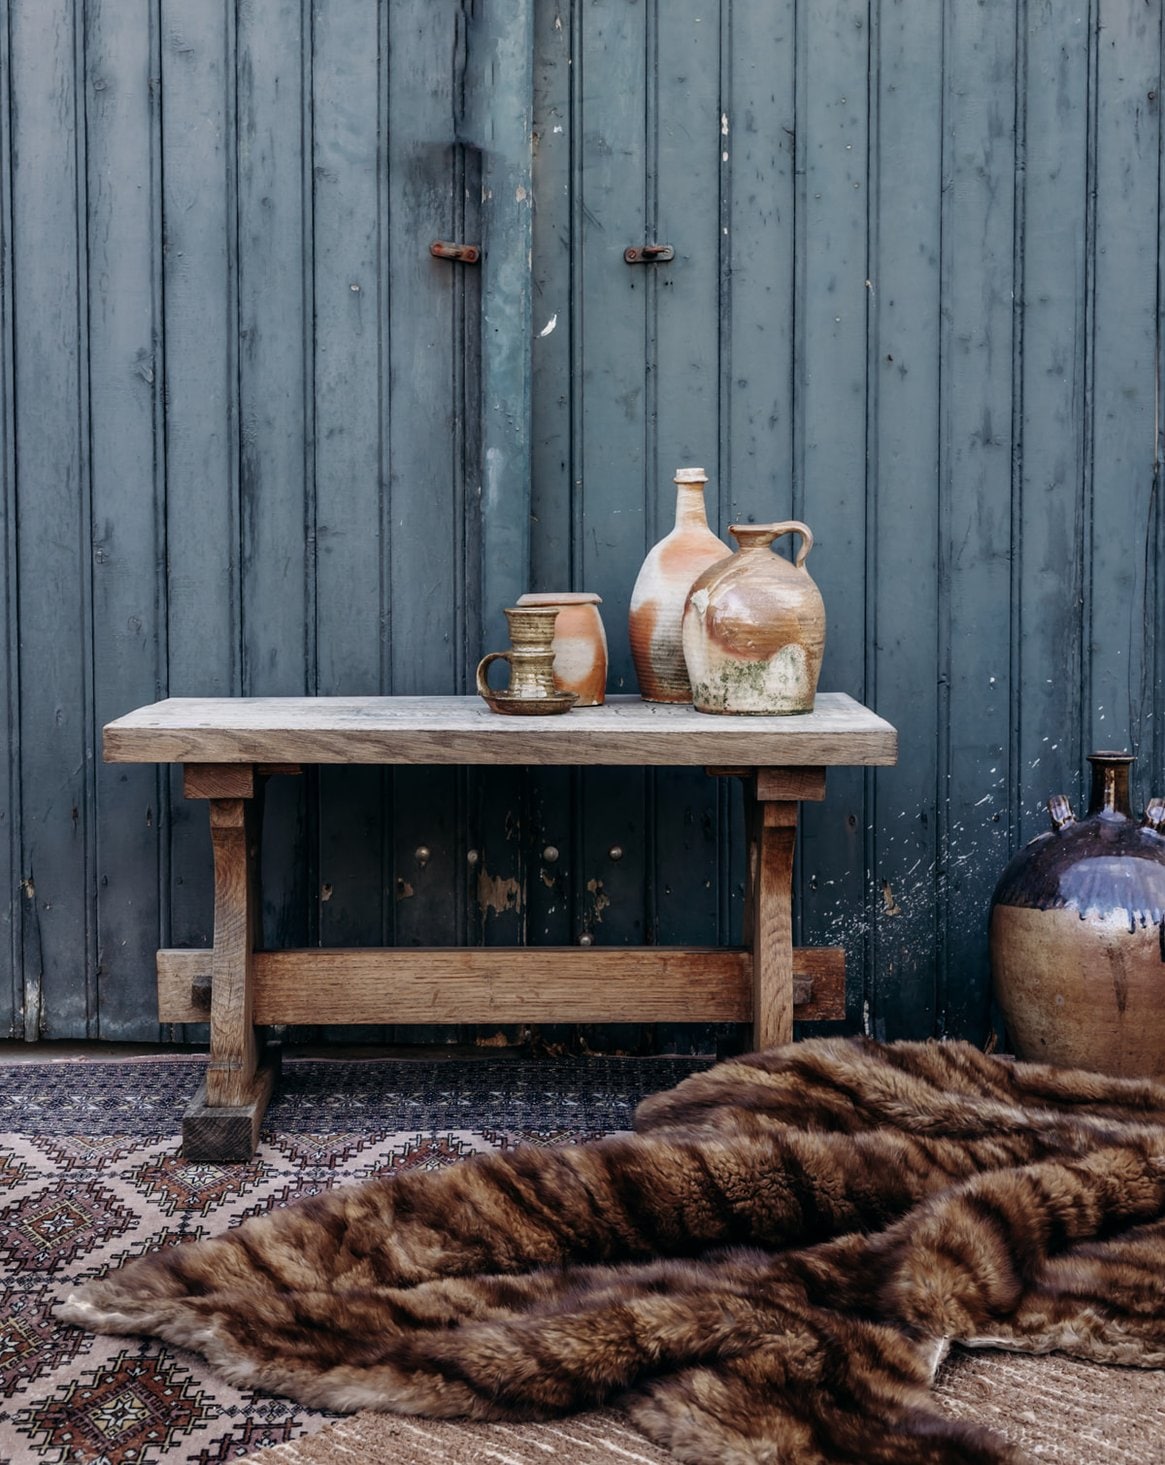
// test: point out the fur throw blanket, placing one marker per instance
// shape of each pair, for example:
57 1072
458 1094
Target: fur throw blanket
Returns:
769 1269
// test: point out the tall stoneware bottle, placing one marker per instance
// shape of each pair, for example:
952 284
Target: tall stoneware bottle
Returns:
1077 940
661 588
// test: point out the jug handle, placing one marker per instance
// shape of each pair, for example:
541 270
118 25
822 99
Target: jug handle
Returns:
794 526
1060 811
483 666
1155 815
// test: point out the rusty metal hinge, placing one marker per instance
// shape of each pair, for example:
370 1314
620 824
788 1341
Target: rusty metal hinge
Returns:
467 254
649 254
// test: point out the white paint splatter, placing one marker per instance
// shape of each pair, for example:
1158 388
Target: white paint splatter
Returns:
548 328
724 124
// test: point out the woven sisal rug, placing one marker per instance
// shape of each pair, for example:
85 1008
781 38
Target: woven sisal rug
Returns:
1060 1411
89 1176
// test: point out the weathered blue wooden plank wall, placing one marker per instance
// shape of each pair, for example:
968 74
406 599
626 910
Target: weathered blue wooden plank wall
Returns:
256 440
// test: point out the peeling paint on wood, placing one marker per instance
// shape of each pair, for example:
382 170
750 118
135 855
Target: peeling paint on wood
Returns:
497 893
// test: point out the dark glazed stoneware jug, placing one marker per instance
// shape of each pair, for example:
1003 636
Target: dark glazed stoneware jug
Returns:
1077 933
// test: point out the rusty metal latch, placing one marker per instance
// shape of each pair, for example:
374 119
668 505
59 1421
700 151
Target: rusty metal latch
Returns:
468 254
649 254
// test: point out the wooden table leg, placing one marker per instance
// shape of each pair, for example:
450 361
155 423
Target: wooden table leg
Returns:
771 799
222 1123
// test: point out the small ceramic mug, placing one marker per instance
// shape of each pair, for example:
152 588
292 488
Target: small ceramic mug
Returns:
531 659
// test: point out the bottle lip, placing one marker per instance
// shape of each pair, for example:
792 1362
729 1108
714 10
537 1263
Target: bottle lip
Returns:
691 475
1112 757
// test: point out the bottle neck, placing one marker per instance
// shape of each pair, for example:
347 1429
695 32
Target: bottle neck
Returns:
690 510
1110 784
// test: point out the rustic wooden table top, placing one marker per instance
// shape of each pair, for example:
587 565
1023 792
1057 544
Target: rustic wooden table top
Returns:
461 730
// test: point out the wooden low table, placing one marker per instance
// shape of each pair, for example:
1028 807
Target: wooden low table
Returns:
229 746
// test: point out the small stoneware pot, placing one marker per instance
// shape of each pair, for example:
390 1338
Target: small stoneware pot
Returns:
531 658
1077 933
580 643
754 627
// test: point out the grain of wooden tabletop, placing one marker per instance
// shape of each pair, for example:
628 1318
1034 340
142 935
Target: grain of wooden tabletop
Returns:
462 730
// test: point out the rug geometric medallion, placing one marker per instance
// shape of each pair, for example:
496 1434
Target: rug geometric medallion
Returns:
90 1175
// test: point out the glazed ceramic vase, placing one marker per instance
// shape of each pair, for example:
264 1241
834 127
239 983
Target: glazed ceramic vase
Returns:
1076 934
580 643
661 589
754 627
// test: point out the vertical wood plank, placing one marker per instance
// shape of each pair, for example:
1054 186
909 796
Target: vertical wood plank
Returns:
688 147
1125 330
978 279
276 483
550 916
499 119
424 474
12 1015
351 288
618 502
50 423
772 926
234 831
829 489
551 487
756 430
501 44
275 398
1155 749
689 137
350 294
125 376
902 637
760 116
1055 225
427 546
203 624
621 504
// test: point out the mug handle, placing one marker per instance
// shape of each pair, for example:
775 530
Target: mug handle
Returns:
794 526
483 666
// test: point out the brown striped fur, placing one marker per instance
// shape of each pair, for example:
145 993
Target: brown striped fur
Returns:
770 1269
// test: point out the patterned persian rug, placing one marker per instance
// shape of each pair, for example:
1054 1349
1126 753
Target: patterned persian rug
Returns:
90 1176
